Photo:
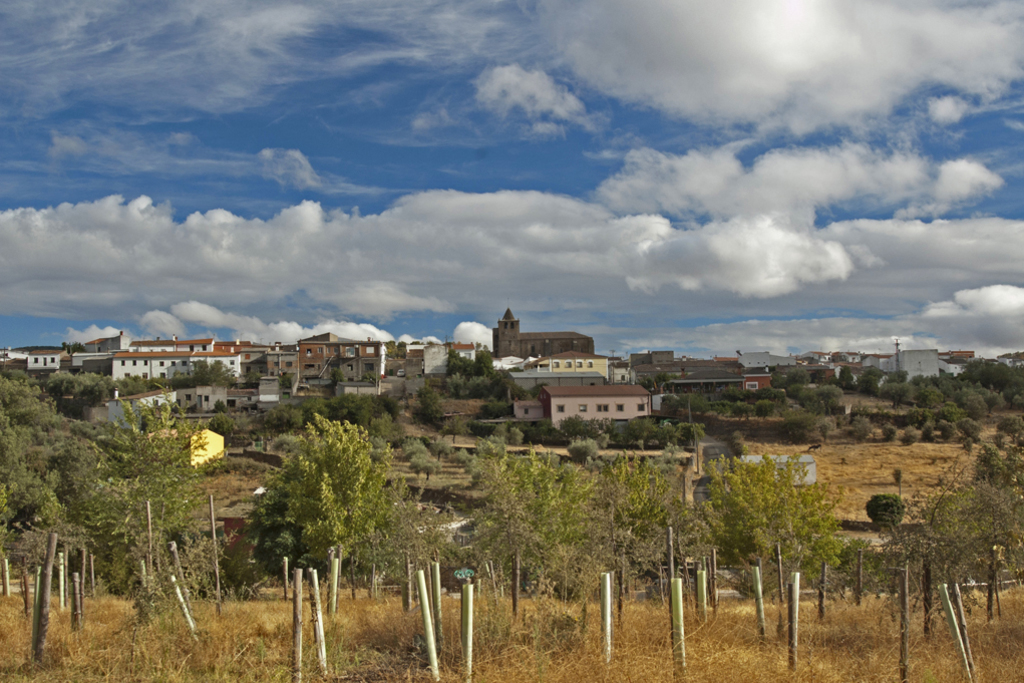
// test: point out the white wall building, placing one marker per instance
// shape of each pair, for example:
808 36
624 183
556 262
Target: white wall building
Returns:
764 359
167 364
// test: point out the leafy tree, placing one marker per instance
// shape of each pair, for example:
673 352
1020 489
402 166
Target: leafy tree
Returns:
582 450
282 419
759 504
897 392
454 426
861 428
830 397
910 436
797 425
929 397
969 429
869 380
889 432
429 410
252 379
147 458
221 424
764 409
797 377
885 509
422 463
972 403
846 380
72 347
204 374
335 489
951 413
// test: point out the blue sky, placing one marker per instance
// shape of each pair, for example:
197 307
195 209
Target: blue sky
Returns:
751 175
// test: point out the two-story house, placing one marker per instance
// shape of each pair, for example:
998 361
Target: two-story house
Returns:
321 354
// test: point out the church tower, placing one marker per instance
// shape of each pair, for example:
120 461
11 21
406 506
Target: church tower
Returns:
506 336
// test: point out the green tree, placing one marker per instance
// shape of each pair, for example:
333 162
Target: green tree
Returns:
429 410
846 380
759 504
885 509
335 489
764 409
221 424
205 374
897 392
869 380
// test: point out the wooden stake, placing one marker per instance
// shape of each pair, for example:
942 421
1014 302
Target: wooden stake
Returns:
352 575
74 601
904 626
216 556
467 630
859 586
92 575
622 585
7 578
407 586
428 627
296 625
783 596
678 632
606 616
149 534
962 618
821 591
39 646
926 596
515 585
435 602
61 578
284 571
714 580
83 566
37 608
671 553
318 622
24 587
954 628
794 618
759 601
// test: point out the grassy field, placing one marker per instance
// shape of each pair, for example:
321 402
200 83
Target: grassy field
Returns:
373 641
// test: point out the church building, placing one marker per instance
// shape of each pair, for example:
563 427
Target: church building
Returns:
507 340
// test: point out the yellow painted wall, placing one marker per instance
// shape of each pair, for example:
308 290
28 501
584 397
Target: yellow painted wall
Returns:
206 446
600 365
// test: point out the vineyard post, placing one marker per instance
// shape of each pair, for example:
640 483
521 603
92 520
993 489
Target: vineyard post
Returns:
467 629
962 618
407 586
926 596
216 563
149 536
7 578
339 555
515 585
606 616
335 565
318 622
759 601
954 628
60 581
428 627
859 586
76 602
180 575
184 606
435 603
81 603
24 585
678 632
714 580
284 570
622 585
296 625
794 618
821 591
783 597
904 625
92 576
43 593
37 607
702 594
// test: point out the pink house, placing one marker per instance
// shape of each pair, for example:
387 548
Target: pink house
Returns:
619 402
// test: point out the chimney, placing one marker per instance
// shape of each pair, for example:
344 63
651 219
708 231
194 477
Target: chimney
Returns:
174 337
115 394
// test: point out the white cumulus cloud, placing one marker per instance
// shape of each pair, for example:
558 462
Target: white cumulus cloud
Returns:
469 332
289 167
535 94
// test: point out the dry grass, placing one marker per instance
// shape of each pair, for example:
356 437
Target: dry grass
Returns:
373 642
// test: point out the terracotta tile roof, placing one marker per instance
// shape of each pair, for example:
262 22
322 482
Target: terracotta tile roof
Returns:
605 390
463 347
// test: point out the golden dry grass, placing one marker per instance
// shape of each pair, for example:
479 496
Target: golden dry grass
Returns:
371 641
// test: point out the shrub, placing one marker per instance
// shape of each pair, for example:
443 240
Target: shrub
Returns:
861 428
412 448
440 449
889 432
928 432
797 425
515 436
380 450
946 429
826 426
969 429
764 408
491 447
287 444
910 436
885 509
422 463
735 443
494 410
582 449
462 457
1011 426
951 413
221 424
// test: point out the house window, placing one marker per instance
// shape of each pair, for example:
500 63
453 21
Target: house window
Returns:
554 363
560 409
641 407
368 351
231 362
579 364
248 356
583 407
320 350
161 363
526 411
350 351
145 362
163 374
620 407
191 347
188 397
288 364
122 364
145 375
751 385
590 363
134 363
309 352
350 367
173 363
602 408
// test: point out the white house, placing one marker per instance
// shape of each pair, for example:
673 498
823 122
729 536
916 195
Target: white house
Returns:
764 359
44 360
115 412
166 364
